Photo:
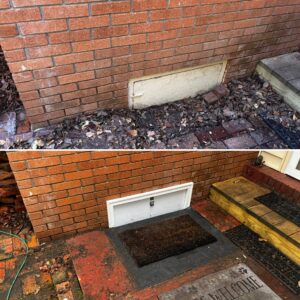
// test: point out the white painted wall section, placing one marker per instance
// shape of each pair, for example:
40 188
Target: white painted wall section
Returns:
147 205
169 87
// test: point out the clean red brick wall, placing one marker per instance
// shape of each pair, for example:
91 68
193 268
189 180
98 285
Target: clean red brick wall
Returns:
72 56
66 192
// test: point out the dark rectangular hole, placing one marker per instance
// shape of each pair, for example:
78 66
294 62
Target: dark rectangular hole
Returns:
157 241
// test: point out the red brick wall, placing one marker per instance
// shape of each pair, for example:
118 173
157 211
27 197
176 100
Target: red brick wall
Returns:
72 56
66 192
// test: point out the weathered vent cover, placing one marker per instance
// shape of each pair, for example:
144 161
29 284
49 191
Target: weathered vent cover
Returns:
147 205
168 87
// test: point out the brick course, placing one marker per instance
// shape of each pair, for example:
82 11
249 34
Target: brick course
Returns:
102 44
66 192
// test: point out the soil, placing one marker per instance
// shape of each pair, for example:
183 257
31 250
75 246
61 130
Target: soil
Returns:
155 242
9 97
282 206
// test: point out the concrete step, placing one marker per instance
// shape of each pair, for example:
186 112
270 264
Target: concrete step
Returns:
283 73
237 197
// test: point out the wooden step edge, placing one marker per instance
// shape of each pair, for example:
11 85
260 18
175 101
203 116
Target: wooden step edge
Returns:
250 212
277 238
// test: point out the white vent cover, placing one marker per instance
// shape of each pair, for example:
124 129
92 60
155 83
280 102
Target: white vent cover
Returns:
168 87
147 205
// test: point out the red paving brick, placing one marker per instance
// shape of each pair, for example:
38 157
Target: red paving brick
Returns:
29 285
215 266
99 269
102 274
215 215
10 264
2 275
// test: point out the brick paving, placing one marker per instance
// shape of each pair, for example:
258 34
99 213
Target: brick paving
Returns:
100 270
47 274
103 276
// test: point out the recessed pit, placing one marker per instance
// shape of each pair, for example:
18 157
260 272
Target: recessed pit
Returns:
157 241
165 261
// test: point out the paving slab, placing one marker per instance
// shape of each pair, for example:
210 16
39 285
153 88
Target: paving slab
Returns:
244 141
283 73
100 271
235 126
262 136
189 141
238 282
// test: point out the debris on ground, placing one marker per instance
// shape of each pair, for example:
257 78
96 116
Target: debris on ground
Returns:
178 124
9 97
12 114
48 273
13 221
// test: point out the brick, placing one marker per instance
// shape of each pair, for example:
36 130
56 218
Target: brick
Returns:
62 12
24 3
91 22
49 50
210 98
105 32
15 16
73 58
76 77
2 275
235 126
62 105
29 285
58 90
240 142
141 38
45 279
43 26
91 45
8 31
69 36
4 4
55 71
112 7
221 90
31 64
128 40
150 5
15 55
139 17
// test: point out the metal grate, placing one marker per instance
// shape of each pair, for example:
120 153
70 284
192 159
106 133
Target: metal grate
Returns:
272 259
282 206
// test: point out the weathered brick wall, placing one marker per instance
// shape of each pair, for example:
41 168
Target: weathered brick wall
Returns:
66 192
72 56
